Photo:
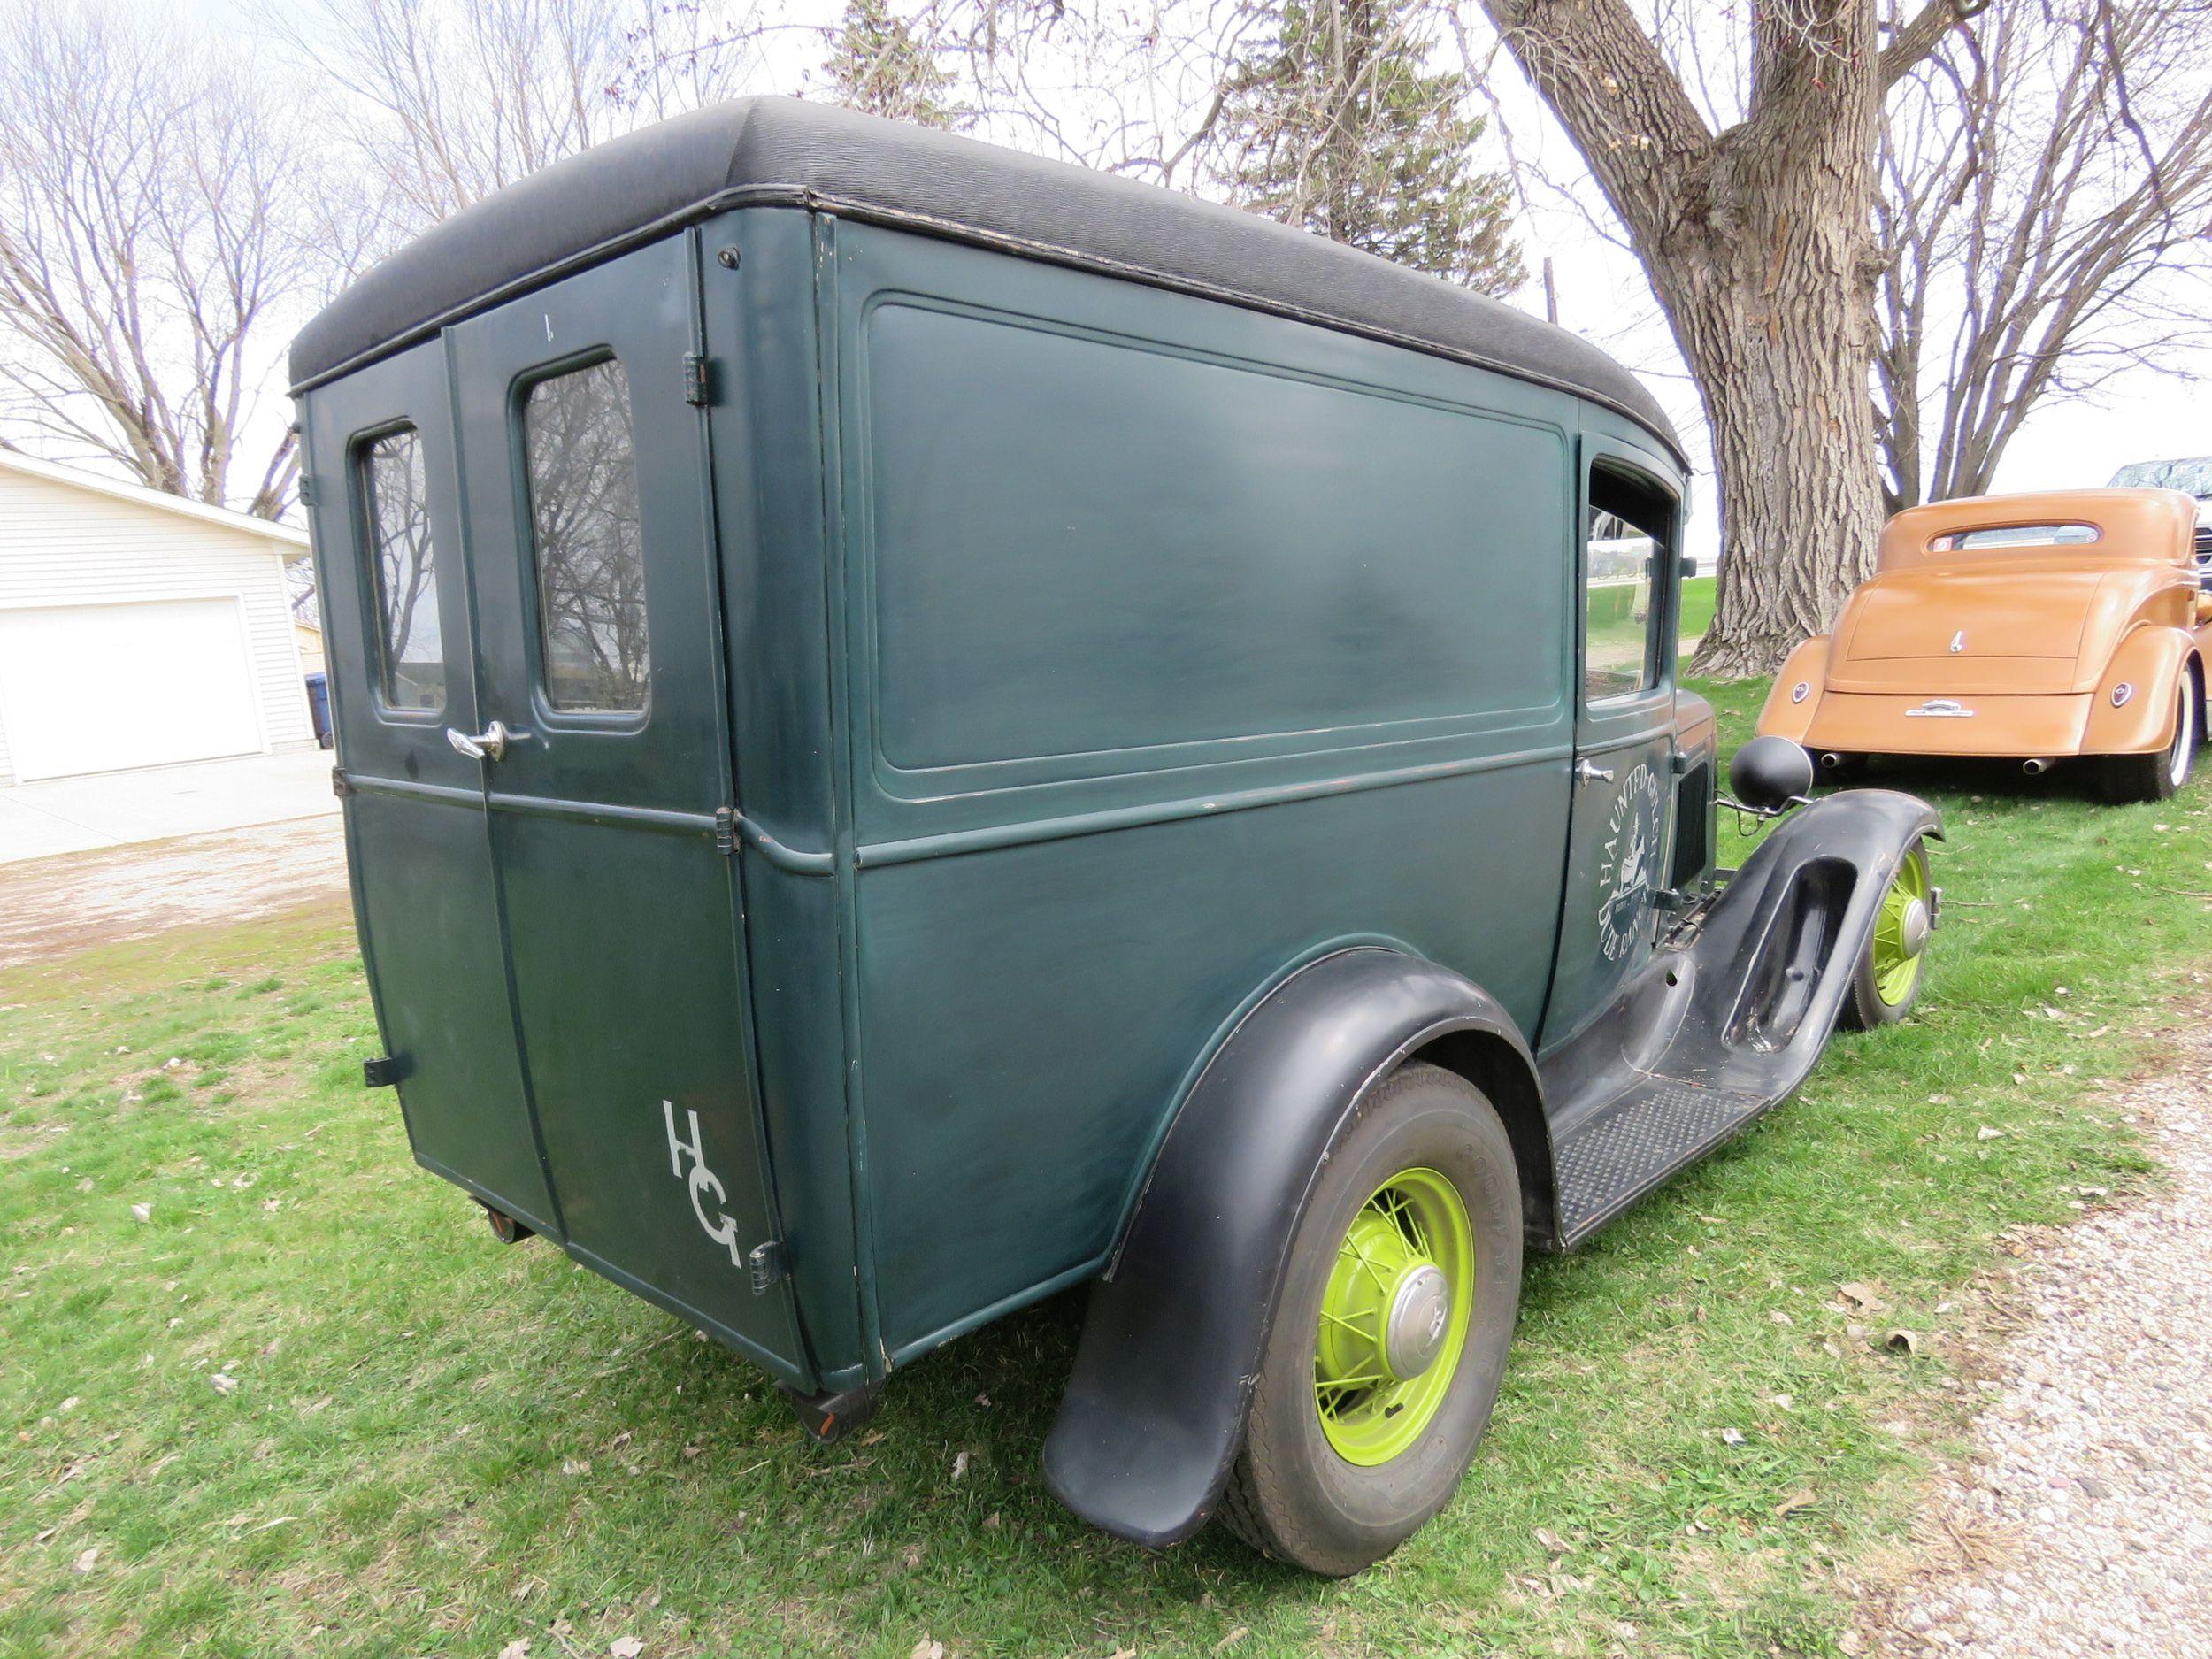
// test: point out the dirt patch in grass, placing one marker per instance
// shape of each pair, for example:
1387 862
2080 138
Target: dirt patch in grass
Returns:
52 907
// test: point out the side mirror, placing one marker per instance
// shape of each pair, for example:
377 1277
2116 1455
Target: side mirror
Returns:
1769 774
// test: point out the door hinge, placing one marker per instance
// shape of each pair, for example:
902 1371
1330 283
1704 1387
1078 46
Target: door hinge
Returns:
698 378
380 1072
766 1259
340 786
725 829
307 490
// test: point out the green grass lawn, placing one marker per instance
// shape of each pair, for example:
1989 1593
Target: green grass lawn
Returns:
306 1406
1699 595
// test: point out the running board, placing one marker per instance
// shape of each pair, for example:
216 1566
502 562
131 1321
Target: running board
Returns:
1614 1158
1728 1017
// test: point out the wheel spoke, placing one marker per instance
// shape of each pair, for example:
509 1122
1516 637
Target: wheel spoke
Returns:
1339 1319
1353 1384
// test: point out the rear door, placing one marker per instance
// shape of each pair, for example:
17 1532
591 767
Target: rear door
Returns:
585 489
402 671
1617 835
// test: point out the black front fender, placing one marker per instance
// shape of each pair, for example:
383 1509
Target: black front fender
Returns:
1730 1017
1153 1414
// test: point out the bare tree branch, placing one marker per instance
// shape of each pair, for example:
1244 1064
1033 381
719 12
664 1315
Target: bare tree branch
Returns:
2047 175
157 239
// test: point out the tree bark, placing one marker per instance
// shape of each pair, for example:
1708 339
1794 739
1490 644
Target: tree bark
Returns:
1757 243
1769 292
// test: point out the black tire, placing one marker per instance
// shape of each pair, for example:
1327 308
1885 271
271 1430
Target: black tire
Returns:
1291 1495
1863 1008
2158 777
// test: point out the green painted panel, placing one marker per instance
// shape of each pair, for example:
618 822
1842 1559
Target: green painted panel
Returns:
629 999
1077 512
1117 564
792 933
1083 545
430 924
1030 1012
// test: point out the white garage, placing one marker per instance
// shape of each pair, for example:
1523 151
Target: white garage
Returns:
138 628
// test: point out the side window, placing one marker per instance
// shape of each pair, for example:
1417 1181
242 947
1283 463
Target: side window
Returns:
1626 550
395 497
583 520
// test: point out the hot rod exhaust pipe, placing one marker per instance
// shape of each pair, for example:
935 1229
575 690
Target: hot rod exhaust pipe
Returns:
2035 766
1830 761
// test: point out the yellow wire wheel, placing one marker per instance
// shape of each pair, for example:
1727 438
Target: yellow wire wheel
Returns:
1900 932
1886 982
1394 1317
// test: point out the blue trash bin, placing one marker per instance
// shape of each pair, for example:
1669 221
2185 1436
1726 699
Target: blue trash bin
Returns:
319 707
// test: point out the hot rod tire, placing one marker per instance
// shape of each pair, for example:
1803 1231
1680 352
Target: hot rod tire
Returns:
1886 981
1406 1268
2156 777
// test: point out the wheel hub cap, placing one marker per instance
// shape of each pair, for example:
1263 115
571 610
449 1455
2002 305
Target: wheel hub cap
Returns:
1900 932
1420 1318
1913 932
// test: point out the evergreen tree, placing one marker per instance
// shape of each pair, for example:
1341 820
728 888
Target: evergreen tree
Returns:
879 64
1337 125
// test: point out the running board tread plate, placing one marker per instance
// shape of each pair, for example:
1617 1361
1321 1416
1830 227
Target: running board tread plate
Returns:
1613 1159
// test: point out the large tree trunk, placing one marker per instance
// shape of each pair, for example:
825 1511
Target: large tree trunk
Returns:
1757 241
1768 290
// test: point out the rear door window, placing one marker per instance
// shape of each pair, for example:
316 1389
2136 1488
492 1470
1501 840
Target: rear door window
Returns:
595 653
396 497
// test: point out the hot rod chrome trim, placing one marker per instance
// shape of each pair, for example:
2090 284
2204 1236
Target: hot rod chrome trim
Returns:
1940 708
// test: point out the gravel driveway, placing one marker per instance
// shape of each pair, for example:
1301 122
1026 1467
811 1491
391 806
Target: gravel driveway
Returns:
49 907
2084 1525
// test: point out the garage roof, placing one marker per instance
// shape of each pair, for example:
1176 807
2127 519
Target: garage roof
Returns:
836 161
291 541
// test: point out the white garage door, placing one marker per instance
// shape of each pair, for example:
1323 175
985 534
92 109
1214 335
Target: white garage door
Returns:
102 688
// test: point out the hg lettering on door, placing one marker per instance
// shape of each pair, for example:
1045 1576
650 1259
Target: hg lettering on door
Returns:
723 1227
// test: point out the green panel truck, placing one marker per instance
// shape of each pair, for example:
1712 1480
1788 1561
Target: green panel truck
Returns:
920 726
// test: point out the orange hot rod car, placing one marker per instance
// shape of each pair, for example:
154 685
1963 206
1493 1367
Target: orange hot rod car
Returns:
2038 627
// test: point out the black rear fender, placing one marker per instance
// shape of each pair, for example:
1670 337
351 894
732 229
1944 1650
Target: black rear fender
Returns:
1153 1414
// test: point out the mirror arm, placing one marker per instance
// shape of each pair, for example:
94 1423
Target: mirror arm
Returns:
1744 810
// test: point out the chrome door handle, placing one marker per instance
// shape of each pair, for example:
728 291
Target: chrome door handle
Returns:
1587 772
488 744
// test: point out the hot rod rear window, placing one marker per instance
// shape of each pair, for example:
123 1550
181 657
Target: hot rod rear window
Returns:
2000 537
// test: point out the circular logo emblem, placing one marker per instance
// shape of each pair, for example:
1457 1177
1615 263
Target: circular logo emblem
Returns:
1802 690
1628 868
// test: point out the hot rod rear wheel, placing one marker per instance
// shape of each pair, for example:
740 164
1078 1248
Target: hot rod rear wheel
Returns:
1387 1346
2156 777
1886 983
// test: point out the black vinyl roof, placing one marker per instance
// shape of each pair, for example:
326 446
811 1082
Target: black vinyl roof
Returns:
836 161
